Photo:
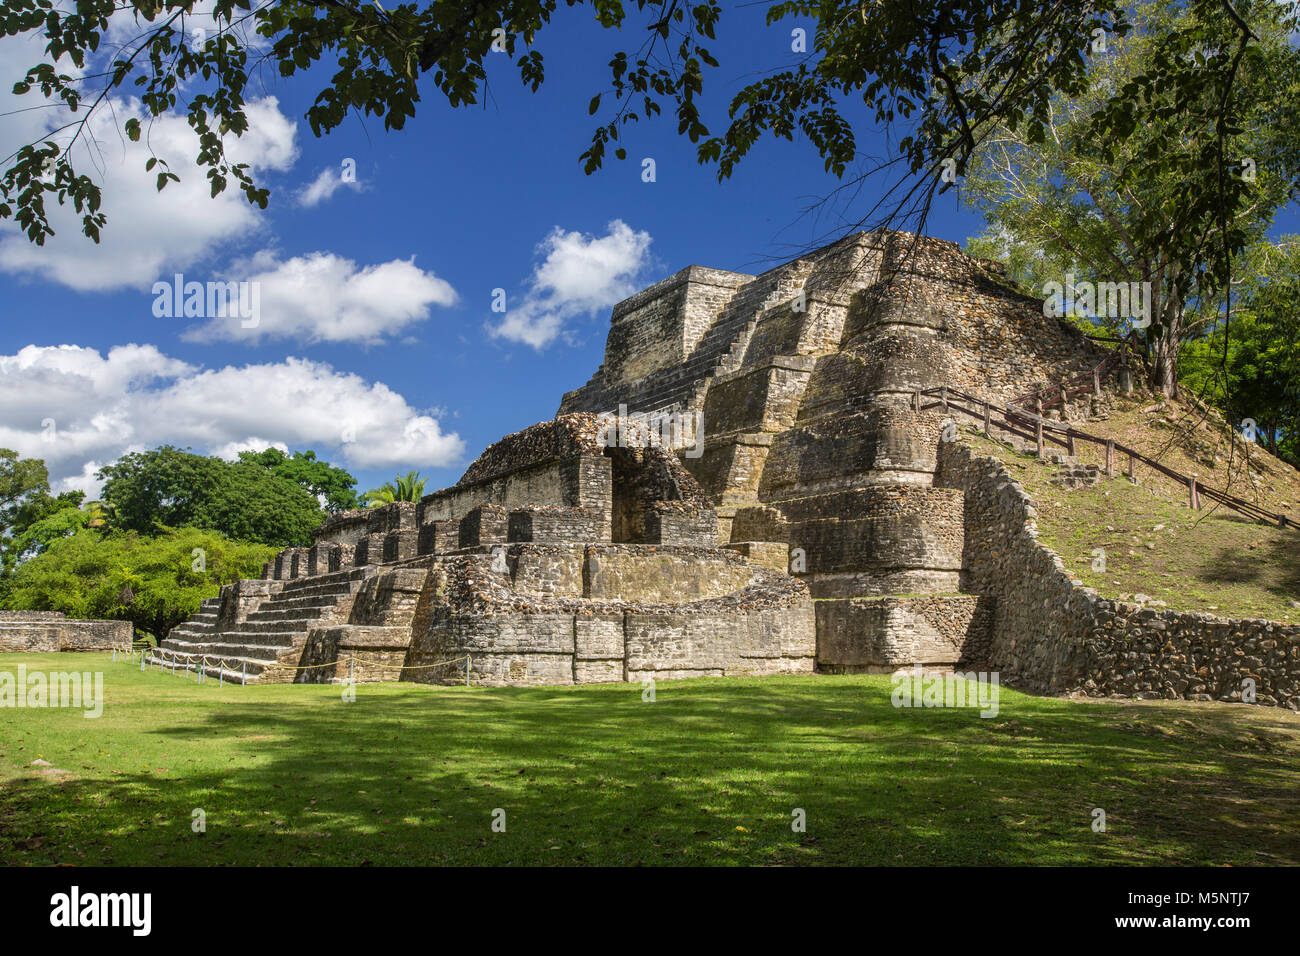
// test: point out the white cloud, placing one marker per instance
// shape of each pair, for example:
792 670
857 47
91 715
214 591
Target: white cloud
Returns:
97 407
148 233
578 274
324 186
230 450
322 297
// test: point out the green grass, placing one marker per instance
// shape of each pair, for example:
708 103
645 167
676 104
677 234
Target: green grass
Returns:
707 774
1217 562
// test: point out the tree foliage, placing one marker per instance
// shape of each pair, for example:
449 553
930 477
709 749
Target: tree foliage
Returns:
331 485
166 488
153 581
1254 374
407 487
906 64
31 517
1106 200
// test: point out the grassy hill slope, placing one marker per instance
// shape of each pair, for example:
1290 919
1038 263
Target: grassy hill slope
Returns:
1213 560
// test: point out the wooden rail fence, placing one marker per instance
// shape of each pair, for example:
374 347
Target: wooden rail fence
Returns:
1032 425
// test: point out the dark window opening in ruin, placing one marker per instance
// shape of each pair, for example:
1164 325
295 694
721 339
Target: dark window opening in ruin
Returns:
628 526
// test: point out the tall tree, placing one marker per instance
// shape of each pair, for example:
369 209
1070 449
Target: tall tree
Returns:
1253 375
152 491
1063 201
332 486
407 487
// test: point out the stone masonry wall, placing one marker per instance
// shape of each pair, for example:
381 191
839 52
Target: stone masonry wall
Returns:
42 632
1053 635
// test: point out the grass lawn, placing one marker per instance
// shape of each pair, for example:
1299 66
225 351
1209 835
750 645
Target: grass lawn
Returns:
709 773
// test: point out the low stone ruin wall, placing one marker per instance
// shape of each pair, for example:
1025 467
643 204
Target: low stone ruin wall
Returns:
766 627
41 632
1051 634
620 645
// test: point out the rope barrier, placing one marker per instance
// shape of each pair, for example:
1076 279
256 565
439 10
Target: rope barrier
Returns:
202 659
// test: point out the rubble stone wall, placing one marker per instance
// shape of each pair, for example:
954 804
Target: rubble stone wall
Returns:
1051 634
43 632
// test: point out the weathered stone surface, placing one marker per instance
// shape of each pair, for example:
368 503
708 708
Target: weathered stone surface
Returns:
586 548
44 632
1053 635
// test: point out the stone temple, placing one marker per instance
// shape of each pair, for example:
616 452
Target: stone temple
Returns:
797 515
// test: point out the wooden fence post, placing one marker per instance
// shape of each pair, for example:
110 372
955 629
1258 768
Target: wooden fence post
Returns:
1096 383
1069 441
1132 468
986 419
916 400
1193 499
1110 458
1038 426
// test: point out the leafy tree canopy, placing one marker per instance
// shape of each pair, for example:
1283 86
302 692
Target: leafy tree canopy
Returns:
24 484
153 581
1254 374
331 485
170 488
29 515
910 63
1114 208
407 487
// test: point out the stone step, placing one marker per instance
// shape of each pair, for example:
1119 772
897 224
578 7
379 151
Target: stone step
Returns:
311 588
282 613
346 575
265 632
228 649
192 630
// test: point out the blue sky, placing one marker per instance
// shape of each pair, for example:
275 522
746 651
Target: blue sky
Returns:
376 344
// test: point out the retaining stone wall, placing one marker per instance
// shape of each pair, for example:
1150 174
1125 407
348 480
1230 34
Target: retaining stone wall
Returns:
44 632
1051 634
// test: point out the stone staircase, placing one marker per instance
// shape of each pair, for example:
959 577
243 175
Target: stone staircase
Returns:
1071 473
273 634
721 349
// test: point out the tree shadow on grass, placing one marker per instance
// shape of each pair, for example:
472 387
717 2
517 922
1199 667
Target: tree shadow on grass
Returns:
1231 565
712 772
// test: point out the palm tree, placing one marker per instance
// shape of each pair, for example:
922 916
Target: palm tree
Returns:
407 487
98 513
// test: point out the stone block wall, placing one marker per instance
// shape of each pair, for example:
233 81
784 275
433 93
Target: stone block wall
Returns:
439 537
661 575
43 632
556 525
1051 634
547 571
484 525
882 634
681 523
601 646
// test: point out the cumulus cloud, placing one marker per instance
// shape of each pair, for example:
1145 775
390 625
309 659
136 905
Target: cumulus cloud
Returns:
149 233
578 274
322 297
77 409
230 450
325 185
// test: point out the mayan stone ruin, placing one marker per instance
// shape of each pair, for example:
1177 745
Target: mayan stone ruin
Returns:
43 632
745 486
